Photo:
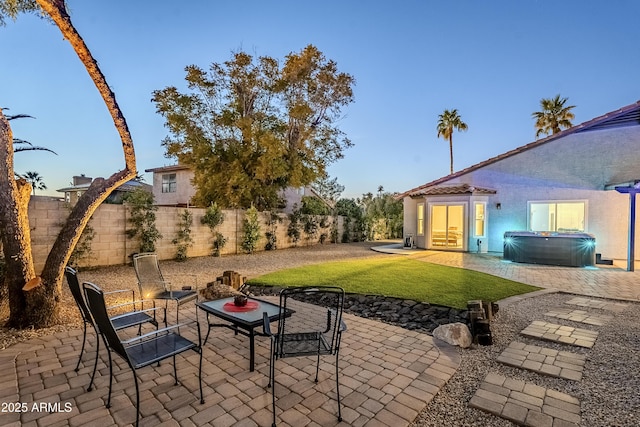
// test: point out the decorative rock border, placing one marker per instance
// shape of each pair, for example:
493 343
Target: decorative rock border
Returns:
408 314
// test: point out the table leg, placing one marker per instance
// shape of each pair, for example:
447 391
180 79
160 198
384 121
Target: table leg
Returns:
251 351
208 331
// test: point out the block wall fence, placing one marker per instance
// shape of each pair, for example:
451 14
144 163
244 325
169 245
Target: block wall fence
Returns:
111 246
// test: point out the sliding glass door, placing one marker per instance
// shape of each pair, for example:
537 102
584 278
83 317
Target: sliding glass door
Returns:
447 226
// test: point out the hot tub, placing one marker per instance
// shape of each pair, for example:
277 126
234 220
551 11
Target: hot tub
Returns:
551 248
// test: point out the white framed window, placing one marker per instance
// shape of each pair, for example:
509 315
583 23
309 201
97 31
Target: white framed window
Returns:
479 210
420 219
169 183
558 215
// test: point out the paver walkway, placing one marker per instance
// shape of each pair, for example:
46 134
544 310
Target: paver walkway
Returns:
616 307
579 316
526 403
560 333
546 361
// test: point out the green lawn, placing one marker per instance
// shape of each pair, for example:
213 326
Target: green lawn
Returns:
401 278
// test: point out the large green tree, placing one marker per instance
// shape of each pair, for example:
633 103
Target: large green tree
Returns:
38 307
553 116
449 121
253 126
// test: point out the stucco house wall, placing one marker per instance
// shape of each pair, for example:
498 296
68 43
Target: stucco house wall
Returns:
580 166
184 190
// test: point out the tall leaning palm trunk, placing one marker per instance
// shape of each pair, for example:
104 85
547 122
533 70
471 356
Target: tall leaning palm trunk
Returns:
38 307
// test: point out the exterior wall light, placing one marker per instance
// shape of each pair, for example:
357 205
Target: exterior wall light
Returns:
498 206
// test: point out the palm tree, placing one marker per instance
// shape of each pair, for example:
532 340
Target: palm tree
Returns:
554 116
36 181
448 122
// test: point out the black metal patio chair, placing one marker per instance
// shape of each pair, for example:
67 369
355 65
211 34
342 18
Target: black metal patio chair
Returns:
120 321
312 331
143 350
153 284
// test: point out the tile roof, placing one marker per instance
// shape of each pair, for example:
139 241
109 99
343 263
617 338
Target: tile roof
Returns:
445 190
625 116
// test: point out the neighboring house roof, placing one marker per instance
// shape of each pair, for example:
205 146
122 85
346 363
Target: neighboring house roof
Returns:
625 116
127 186
171 168
447 190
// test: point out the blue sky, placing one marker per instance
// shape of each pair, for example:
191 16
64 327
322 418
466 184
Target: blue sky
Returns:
492 60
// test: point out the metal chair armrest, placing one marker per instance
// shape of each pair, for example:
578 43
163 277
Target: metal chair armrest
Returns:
112 293
141 302
159 331
148 310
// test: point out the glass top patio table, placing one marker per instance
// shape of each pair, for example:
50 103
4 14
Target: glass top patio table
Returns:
242 322
250 318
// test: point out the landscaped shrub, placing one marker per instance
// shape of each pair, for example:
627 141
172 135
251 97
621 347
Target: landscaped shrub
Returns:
212 218
271 233
293 230
183 239
143 219
83 251
251 229
310 227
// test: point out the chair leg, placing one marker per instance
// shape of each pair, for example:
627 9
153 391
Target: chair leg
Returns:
84 340
317 368
338 390
135 380
95 362
200 376
175 371
166 305
272 382
111 376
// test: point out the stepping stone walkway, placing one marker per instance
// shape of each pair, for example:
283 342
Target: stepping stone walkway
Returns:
526 403
529 404
580 316
547 361
616 307
558 333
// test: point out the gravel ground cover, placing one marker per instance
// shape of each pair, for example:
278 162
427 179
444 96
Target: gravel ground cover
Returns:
609 388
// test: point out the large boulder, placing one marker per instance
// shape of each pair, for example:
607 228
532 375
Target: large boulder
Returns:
454 334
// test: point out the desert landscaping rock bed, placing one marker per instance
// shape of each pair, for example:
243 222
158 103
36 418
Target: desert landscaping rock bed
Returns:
407 314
